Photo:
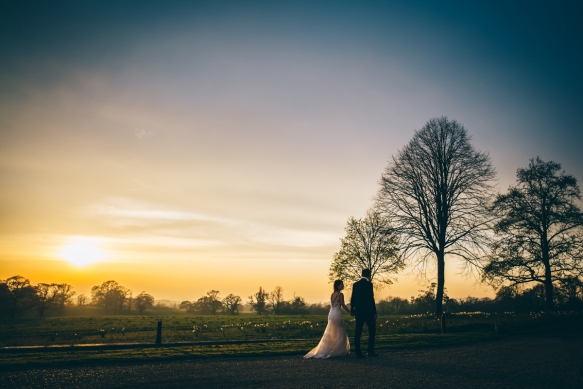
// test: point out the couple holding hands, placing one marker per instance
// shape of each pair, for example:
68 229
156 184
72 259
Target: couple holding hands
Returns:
334 342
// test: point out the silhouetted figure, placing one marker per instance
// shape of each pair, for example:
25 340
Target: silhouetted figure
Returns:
363 307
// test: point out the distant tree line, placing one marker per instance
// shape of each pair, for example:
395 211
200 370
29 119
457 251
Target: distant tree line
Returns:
112 296
568 297
212 304
18 297
261 303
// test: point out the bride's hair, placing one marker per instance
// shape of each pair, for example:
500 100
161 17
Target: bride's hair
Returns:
337 285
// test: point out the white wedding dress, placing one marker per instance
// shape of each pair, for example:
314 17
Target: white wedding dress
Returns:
334 342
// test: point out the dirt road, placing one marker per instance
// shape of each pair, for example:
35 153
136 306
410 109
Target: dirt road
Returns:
526 362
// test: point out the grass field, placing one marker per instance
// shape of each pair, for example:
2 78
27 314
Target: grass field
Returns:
392 332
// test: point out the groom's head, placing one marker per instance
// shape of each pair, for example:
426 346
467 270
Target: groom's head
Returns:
366 273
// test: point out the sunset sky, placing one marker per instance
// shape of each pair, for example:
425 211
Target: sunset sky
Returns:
187 146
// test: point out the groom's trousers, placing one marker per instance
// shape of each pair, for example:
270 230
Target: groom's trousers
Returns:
371 324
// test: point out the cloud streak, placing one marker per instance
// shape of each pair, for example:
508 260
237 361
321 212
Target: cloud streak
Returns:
160 225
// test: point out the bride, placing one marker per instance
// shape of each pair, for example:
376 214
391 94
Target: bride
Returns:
334 342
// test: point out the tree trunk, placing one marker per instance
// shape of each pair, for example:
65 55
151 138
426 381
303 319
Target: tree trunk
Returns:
548 276
549 289
440 283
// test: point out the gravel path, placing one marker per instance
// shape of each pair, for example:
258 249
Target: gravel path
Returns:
526 362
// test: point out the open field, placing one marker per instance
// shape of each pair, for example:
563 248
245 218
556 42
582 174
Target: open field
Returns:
142 329
394 332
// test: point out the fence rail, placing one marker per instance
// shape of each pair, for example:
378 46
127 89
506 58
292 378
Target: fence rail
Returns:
124 346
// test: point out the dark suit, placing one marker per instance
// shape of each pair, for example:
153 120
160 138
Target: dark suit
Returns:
363 307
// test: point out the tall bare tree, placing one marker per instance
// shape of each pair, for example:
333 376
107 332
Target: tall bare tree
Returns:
539 234
370 243
436 192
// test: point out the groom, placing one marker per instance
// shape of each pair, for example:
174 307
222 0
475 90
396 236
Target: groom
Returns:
362 305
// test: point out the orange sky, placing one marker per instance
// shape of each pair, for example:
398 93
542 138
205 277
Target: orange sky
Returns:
225 147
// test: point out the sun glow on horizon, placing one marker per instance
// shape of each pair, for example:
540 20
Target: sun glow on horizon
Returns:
81 253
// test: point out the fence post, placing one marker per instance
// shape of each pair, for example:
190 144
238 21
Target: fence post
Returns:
159 332
443 323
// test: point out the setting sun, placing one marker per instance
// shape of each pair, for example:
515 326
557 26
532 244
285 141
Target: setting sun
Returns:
81 254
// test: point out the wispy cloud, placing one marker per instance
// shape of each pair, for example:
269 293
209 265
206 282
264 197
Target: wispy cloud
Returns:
141 133
156 214
223 231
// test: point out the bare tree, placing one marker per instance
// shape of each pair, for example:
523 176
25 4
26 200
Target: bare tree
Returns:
436 192
143 301
81 299
187 305
570 293
231 304
572 287
52 296
258 301
64 294
213 302
209 304
110 295
539 234
370 243
45 296
276 299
